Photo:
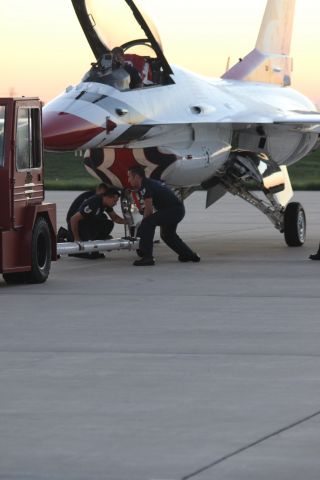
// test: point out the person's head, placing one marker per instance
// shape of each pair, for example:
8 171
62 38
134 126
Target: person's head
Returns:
117 57
106 61
110 197
101 188
136 176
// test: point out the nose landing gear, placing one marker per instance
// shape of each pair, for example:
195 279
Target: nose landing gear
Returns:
132 209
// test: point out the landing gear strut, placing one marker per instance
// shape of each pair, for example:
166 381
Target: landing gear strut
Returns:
290 220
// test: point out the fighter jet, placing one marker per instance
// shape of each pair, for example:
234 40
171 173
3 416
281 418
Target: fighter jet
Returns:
220 135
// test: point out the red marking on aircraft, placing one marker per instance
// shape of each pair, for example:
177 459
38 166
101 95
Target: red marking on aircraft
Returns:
124 159
110 125
66 131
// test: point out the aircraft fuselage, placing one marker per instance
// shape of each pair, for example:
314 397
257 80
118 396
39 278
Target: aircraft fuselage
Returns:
196 119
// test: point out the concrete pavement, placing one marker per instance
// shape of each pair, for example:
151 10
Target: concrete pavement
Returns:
203 371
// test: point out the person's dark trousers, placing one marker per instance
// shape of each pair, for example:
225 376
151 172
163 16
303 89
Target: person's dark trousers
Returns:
94 228
168 220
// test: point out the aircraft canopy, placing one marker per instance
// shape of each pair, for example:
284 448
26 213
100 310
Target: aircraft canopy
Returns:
119 23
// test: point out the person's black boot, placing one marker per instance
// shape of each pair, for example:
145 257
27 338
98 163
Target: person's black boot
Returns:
194 258
144 262
96 255
88 255
315 256
63 235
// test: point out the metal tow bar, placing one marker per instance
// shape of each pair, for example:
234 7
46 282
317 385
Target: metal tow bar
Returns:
97 246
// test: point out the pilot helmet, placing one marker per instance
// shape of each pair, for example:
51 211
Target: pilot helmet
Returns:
106 61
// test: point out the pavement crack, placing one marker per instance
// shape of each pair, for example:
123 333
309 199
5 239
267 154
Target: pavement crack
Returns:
249 445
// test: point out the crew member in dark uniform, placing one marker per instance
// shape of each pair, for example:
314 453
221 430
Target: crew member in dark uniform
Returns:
169 212
77 202
64 235
90 222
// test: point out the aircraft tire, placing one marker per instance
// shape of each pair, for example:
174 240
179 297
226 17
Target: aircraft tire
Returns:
40 252
295 225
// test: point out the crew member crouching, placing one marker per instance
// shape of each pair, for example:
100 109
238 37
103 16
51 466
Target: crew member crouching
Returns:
91 222
77 202
169 212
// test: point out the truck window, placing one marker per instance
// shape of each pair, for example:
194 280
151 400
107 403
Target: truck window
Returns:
28 142
2 118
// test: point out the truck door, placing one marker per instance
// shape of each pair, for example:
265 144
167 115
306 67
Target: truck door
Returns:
27 168
4 166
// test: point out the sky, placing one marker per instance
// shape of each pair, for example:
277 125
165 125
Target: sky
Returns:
43 49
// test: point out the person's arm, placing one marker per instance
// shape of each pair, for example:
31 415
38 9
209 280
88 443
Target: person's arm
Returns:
135 79
116 219
148 207
74 224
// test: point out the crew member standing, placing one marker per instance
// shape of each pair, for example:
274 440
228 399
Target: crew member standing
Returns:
169 211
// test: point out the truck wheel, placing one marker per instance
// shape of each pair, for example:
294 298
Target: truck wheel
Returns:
14 278
295 225
40 252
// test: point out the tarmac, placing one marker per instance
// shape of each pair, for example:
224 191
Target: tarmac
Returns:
206 371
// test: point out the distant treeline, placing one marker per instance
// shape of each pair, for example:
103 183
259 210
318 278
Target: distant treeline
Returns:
65 171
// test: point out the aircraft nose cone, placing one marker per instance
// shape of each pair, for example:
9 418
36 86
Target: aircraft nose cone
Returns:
64 131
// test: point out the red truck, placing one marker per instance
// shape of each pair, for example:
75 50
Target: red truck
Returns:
27 223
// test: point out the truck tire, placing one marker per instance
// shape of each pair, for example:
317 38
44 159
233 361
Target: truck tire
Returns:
295 225
14 278
40 252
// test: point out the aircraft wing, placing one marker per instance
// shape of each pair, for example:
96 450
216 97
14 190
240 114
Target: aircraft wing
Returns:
293 121
308 122
304 122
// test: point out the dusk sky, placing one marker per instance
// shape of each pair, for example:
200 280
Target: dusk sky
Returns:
43 49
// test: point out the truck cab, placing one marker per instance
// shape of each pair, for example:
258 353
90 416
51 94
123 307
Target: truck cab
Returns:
27 223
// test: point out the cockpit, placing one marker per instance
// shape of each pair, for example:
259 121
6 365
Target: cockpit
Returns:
124 77
110 24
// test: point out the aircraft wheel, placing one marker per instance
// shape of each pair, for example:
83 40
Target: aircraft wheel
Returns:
295 225
40 252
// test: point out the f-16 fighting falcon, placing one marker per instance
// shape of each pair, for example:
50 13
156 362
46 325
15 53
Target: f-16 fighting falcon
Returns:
194 133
